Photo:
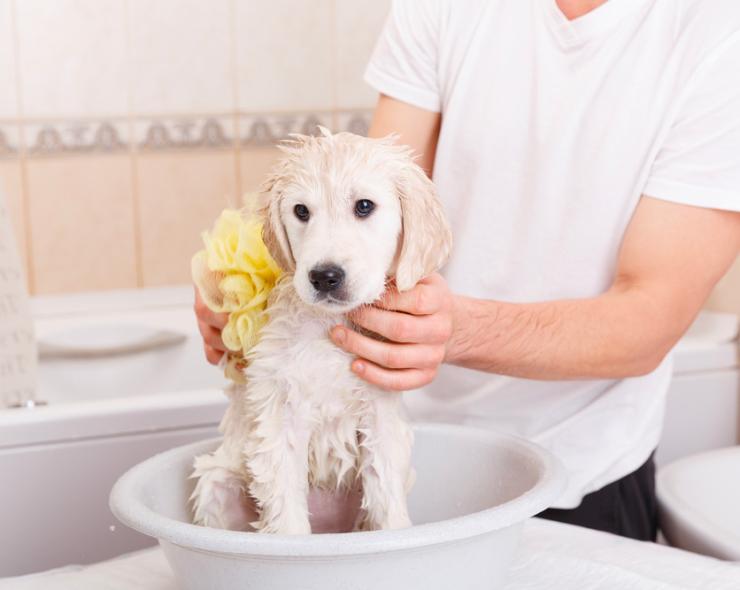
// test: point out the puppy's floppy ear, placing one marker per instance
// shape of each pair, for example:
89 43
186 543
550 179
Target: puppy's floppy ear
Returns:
426 238
273 230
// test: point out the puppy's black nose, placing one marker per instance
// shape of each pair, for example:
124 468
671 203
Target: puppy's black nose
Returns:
326 278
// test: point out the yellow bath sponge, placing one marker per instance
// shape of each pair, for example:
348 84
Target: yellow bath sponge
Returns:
235 274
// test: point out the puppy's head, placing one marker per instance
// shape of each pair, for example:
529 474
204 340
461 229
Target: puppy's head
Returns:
344 213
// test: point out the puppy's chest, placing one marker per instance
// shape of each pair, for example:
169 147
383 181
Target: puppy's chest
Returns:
306 367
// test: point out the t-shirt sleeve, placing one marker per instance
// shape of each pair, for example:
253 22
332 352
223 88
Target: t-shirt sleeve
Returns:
404 63
699 161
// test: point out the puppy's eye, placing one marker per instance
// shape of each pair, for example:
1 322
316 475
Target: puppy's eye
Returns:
301 212
364 207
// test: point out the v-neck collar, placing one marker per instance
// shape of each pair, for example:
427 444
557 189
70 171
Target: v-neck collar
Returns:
577 32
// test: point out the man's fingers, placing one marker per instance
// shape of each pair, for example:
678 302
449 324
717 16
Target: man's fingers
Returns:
216 320
391 355
213 356
204 313
400 327
392 379
211 337
424 299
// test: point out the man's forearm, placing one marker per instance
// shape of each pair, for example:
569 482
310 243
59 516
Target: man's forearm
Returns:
618 334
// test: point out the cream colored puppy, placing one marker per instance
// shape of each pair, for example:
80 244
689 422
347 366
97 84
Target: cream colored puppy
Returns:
343 215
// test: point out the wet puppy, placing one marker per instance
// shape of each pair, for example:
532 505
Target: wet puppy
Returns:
343 215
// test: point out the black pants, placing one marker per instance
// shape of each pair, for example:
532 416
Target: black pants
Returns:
626 507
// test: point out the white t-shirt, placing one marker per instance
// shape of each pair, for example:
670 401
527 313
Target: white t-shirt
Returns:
551 131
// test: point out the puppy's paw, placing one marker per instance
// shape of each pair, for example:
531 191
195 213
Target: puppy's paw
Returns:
388 523
284 524
401 521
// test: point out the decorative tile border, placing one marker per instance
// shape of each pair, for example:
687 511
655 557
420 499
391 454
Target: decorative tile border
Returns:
76 138
162 134
357 122
184 133
9 143
264 130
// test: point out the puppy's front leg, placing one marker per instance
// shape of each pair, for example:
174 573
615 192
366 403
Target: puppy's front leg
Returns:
385 464
276 455
220 499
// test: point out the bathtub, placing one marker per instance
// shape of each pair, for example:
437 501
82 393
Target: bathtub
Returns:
121 376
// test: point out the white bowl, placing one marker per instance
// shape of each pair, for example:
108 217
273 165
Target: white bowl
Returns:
474 490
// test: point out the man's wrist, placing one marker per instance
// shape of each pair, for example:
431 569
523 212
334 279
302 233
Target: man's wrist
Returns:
458 341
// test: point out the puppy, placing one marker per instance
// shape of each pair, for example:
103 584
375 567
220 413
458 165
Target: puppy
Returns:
343 215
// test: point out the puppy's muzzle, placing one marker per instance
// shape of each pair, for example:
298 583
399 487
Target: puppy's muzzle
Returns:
326 278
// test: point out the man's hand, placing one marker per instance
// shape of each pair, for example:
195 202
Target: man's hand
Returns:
210 325
417 323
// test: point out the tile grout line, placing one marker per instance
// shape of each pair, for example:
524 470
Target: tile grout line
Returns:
334 48
133 155
180 115
234 68
25 192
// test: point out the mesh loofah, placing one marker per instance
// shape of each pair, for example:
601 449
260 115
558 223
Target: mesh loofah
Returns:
234 274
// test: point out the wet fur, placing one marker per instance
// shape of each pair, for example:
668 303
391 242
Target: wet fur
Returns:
303 424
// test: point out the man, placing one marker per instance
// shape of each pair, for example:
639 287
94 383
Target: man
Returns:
588 155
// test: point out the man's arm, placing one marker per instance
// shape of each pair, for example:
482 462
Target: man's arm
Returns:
671 258
415 127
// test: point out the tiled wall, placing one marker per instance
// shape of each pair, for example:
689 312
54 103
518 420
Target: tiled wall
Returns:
127 125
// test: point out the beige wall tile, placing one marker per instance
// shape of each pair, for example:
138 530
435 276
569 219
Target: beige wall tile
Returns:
358 24
82 223
8 95
254 165
284 55
180 194
72 57
12 189
726 296
181 56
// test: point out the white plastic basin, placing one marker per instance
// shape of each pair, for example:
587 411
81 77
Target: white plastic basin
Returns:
474 490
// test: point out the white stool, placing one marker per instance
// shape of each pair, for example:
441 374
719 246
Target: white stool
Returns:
699 498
